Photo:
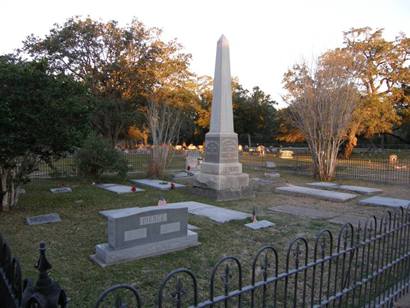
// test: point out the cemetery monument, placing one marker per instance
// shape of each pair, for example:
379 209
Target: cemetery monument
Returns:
221 171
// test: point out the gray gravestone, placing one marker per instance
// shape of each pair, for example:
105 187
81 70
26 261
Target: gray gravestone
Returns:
304 211
385 201
158 184
323 184
43 219
360 189
118 189
215 213
261 224
60 190
329 195
135 233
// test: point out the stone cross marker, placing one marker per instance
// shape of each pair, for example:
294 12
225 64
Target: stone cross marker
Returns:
221 169
136 233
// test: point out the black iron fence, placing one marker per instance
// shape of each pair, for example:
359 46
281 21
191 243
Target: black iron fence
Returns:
137 162
363 266
376 169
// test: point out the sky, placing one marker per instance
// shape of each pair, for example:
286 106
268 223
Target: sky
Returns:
266 37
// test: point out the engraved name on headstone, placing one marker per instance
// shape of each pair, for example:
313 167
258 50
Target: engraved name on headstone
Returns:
135 233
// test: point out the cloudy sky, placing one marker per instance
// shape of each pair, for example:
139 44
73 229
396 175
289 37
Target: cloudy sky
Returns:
266 37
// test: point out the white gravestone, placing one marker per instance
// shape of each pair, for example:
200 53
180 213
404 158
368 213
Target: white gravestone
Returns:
221 170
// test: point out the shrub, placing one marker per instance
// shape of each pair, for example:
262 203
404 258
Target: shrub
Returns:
98 156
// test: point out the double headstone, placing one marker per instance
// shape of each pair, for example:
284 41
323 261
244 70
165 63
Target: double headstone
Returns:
136 233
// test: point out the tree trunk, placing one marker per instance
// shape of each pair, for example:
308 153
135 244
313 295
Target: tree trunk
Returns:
8 189
350 144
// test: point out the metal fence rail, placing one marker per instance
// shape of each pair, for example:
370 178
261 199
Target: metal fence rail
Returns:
375 169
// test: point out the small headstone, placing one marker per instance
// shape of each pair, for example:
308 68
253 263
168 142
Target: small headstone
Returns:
385 201
43 219
192 161
316 193
261 224
270 165
272 174
78 201
136 233
286 154
61 190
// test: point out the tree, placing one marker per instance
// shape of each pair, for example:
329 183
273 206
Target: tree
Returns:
254 114
117 64
164 125
381 67
42 117
321 107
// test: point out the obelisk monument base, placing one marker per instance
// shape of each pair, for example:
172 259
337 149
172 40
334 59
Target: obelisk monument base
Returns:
221 173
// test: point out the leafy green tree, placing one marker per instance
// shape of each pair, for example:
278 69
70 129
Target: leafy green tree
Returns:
118 64
97 156
254 112
42 117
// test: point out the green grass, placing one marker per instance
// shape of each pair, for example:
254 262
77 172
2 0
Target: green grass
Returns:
72 241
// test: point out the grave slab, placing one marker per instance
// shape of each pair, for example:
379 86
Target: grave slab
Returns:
344 219
118 189
360 189
61 190
323 184
184 174
158 184
385 201
304 211
329 195
43 219
215 213
261 224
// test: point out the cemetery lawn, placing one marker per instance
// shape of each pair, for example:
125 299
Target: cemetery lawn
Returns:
71 241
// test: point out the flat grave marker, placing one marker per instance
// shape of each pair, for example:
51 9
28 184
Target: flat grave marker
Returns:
215 213
118 189
158 184
360 189
329 195
43 219
59 190
323 184
304 211
385 201
135 233
260 224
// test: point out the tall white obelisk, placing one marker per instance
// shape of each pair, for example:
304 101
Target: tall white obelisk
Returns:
221 169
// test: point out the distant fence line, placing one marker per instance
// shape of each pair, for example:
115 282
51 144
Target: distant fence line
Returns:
367 266
373 168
